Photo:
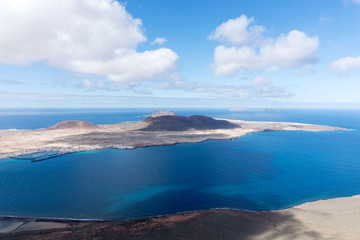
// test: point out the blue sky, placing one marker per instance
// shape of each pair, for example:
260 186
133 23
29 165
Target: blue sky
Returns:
254 54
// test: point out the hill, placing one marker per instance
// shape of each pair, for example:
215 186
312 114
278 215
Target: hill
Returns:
181 123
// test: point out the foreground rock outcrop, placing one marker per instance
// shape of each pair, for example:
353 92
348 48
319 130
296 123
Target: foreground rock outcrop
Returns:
333 219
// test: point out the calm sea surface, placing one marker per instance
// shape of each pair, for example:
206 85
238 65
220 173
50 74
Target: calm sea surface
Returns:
261 171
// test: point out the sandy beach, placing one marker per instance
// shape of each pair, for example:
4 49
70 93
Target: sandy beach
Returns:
333 219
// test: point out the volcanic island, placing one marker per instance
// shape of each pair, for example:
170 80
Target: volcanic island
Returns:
75 136
325 219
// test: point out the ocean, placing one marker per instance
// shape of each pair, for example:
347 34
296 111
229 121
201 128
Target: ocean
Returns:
257 172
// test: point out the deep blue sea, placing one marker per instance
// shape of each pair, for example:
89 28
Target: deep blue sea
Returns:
261 171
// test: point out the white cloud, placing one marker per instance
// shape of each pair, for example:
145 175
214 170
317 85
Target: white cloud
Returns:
85 36
229 61
237 31
159 41
293 49
86 84
273 68
344 65
261 81
98 84
129 65
260 88
163 85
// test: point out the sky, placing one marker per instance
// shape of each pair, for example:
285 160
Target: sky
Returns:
163 54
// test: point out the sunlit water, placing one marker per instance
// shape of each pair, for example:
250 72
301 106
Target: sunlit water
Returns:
261 171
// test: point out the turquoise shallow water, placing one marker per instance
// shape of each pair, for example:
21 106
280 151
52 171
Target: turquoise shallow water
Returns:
261 171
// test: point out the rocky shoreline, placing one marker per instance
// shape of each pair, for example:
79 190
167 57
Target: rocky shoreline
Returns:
63 150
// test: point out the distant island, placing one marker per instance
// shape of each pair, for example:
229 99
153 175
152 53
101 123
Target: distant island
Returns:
166 129
159 113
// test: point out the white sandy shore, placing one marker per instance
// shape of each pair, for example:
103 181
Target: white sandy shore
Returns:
335 218
8 226
332 219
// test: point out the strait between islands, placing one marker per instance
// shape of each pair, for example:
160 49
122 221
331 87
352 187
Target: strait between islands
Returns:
326 219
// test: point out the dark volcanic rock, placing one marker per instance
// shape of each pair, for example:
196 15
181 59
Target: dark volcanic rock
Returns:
209 225
181 123
73 124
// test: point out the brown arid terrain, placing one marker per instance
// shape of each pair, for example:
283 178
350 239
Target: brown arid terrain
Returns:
73 125
153 131
333 219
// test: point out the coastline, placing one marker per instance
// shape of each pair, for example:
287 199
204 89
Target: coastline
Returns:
336 218
129 135
62 150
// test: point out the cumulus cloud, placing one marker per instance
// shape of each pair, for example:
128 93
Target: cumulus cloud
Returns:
129 65
237 31
229 61
344 65
85 36
159 41
290 50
